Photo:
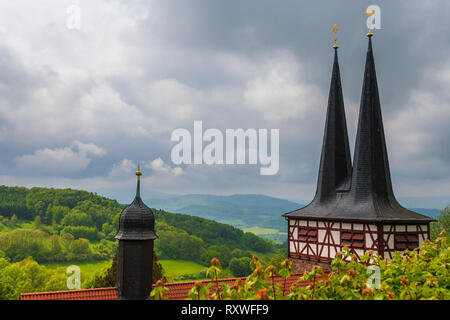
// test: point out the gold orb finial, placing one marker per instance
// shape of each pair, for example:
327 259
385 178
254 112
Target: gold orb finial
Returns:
335 31
139 172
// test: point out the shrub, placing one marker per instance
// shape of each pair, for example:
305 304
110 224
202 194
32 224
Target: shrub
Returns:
411 275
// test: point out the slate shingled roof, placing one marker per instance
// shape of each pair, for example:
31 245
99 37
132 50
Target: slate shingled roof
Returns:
369 197
177 290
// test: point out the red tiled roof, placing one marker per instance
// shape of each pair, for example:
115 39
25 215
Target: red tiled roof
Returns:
180 290
177 290
83 294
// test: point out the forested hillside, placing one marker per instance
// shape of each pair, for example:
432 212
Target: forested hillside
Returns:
56 225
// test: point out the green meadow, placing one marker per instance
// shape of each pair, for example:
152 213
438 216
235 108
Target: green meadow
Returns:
174 268
259 230
88 269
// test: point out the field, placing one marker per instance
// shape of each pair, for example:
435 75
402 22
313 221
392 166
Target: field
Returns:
88 269
173 268
260 231
268 233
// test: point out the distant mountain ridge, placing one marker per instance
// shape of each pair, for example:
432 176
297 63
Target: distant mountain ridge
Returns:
428 212
241 210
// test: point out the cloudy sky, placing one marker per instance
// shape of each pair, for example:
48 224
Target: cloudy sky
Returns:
80 107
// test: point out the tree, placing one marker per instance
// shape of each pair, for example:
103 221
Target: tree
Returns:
37 223
240 267
80 248
57 213
256 243
14 220
28 276
77 218
442 223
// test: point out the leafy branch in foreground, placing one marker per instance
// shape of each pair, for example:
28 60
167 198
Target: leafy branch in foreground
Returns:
420 274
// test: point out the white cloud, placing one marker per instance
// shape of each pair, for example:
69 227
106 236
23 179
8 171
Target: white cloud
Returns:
281 91
418 132
158 166
137 70
123 169
73 158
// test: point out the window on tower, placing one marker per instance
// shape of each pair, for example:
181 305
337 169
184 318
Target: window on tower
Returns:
352 239
406 240
307 234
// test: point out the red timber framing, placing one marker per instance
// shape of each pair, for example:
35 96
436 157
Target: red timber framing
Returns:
362 237
401 237
320 240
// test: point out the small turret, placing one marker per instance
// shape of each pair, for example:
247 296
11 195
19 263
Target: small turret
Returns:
135 253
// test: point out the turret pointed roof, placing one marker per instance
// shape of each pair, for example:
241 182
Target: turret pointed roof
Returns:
371 190
370 197
335 161
137 221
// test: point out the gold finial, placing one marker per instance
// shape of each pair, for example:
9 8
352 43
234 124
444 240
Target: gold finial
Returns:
335 30
139 172
369 13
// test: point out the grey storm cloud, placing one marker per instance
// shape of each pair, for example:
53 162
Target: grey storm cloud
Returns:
137 70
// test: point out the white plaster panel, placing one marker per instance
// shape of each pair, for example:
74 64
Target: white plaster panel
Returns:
332 252
294 232
291 246
420 240
302 223
386 228
400 228
358 226
346 226
391 242
313 223
336 237
322 235
369 242
301 246
412 228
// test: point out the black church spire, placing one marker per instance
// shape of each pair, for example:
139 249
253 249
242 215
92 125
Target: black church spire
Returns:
335 162
371 175
364 192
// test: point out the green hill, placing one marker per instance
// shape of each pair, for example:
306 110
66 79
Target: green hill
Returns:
63 225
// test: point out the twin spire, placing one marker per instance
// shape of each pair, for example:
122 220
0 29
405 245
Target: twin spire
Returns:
335 163
371 174
363 192
370 177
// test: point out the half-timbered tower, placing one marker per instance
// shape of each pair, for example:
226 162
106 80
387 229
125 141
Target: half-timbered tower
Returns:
353 207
